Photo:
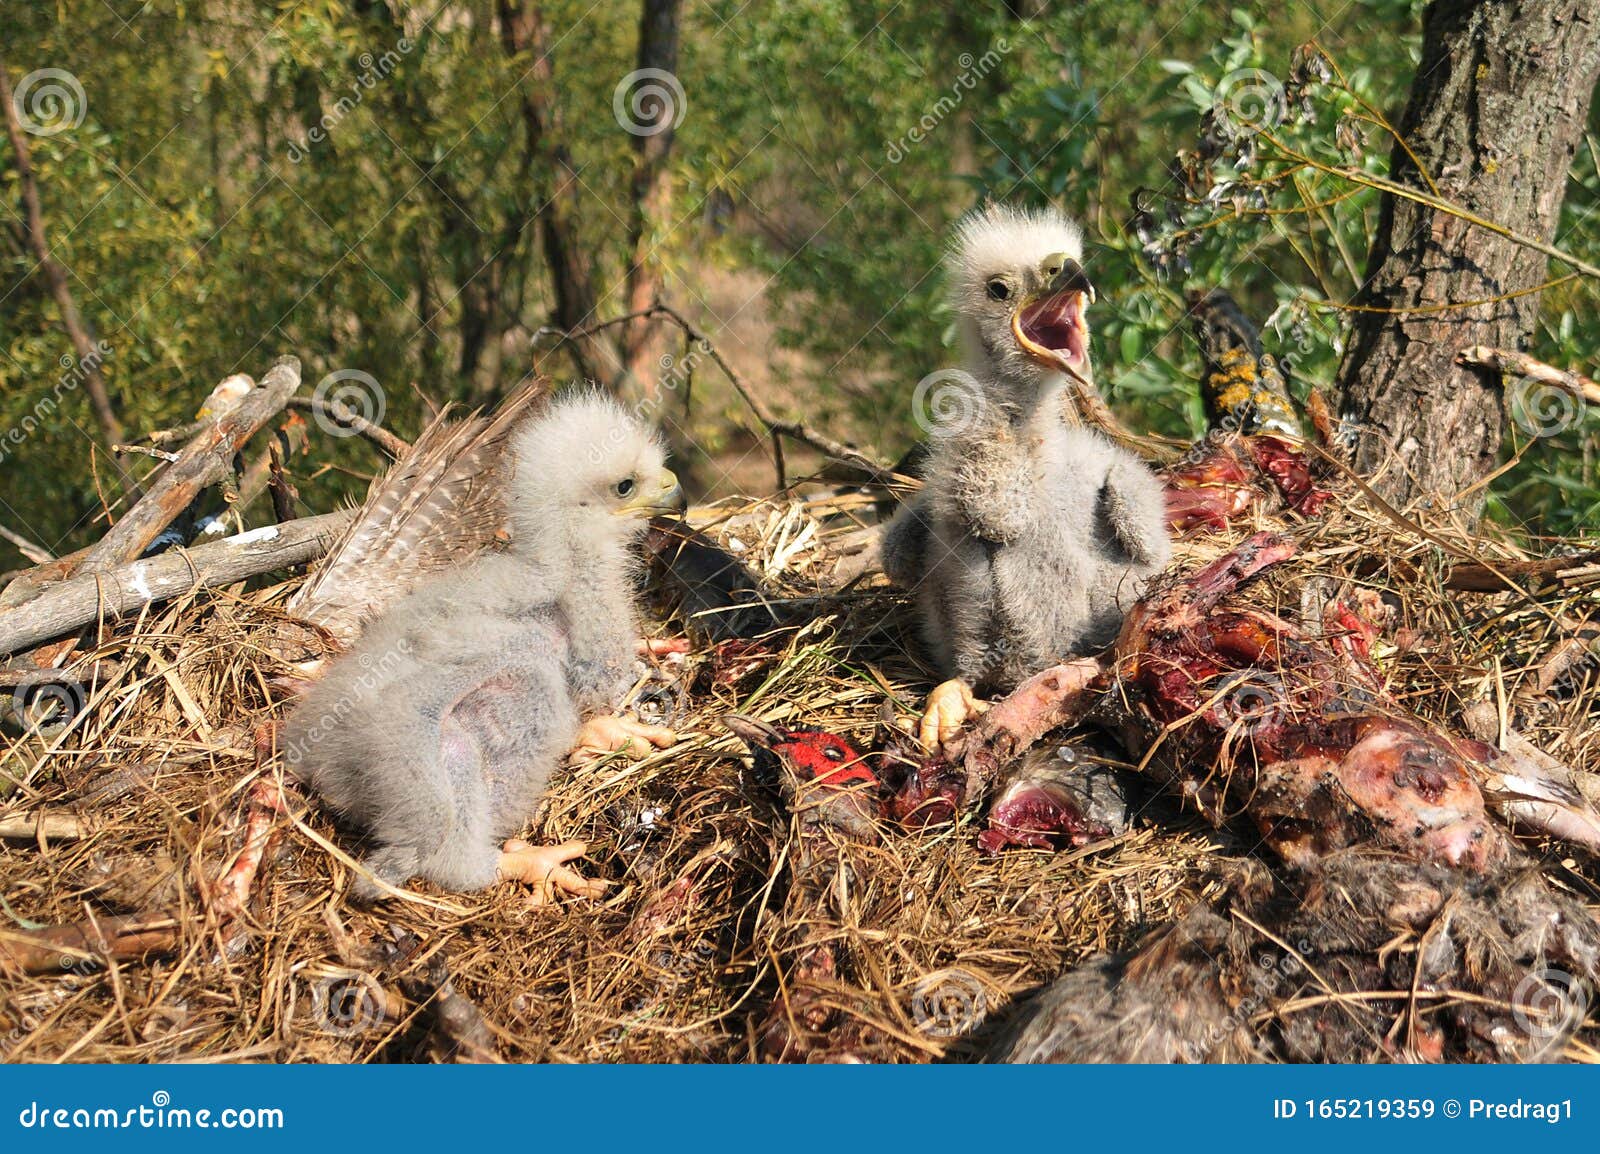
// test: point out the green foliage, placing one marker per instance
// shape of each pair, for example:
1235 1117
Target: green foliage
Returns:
825 147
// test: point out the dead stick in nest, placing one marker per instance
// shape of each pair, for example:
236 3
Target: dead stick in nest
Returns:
44 824
204 461
1501 576
92 942
1518 364
75 603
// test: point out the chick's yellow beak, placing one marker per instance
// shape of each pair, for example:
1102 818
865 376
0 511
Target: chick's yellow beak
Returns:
1049 325
650 500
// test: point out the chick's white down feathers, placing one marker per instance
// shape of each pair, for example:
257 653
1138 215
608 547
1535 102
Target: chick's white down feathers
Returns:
439 730
1032 536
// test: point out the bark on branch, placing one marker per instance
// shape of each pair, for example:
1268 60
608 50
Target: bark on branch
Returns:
72 604
204 461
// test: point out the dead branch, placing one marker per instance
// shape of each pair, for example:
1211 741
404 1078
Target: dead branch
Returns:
347 418
204 461
92 942
1503 576
49 826
72 604
1522 365
38 554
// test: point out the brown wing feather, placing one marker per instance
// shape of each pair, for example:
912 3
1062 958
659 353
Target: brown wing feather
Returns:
437 506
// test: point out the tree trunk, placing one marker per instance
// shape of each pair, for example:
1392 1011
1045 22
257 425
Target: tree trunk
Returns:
525 35
1497 110
652 189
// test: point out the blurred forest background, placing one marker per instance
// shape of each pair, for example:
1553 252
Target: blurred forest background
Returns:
414 194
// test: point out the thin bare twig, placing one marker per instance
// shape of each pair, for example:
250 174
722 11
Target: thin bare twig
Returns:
795 430
346 417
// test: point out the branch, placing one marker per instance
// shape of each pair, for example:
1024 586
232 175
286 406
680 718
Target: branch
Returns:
1522 365
38 554
876 471
1438 204
96 941
74 603
346 417
204 461
89 352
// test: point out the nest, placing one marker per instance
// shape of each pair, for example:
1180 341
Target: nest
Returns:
162 788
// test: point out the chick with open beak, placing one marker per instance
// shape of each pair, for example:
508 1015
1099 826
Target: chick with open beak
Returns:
1034 532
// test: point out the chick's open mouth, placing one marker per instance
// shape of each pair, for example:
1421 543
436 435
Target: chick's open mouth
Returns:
1051 329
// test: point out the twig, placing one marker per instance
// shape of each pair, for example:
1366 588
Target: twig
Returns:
343 415
72 604
38 554
1522 365
147 451
878 472
1438 204
204 461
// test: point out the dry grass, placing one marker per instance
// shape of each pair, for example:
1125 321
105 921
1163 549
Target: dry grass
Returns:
677 963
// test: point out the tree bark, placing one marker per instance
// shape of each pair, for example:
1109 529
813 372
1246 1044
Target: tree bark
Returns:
524 34
70 605
1497 110
652 193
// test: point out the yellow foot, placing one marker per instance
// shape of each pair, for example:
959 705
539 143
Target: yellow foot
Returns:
544 868
950 706
612 734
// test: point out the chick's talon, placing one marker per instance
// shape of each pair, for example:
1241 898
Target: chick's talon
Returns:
950 706
543 867
612 734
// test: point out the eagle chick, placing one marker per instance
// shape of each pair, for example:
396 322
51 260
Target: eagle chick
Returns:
1033 533
439 730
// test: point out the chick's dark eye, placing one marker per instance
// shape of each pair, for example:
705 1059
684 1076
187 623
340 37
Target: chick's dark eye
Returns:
999 290
833 753
624 487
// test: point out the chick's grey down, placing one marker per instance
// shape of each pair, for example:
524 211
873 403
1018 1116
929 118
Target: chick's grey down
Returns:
1033 535
439 730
